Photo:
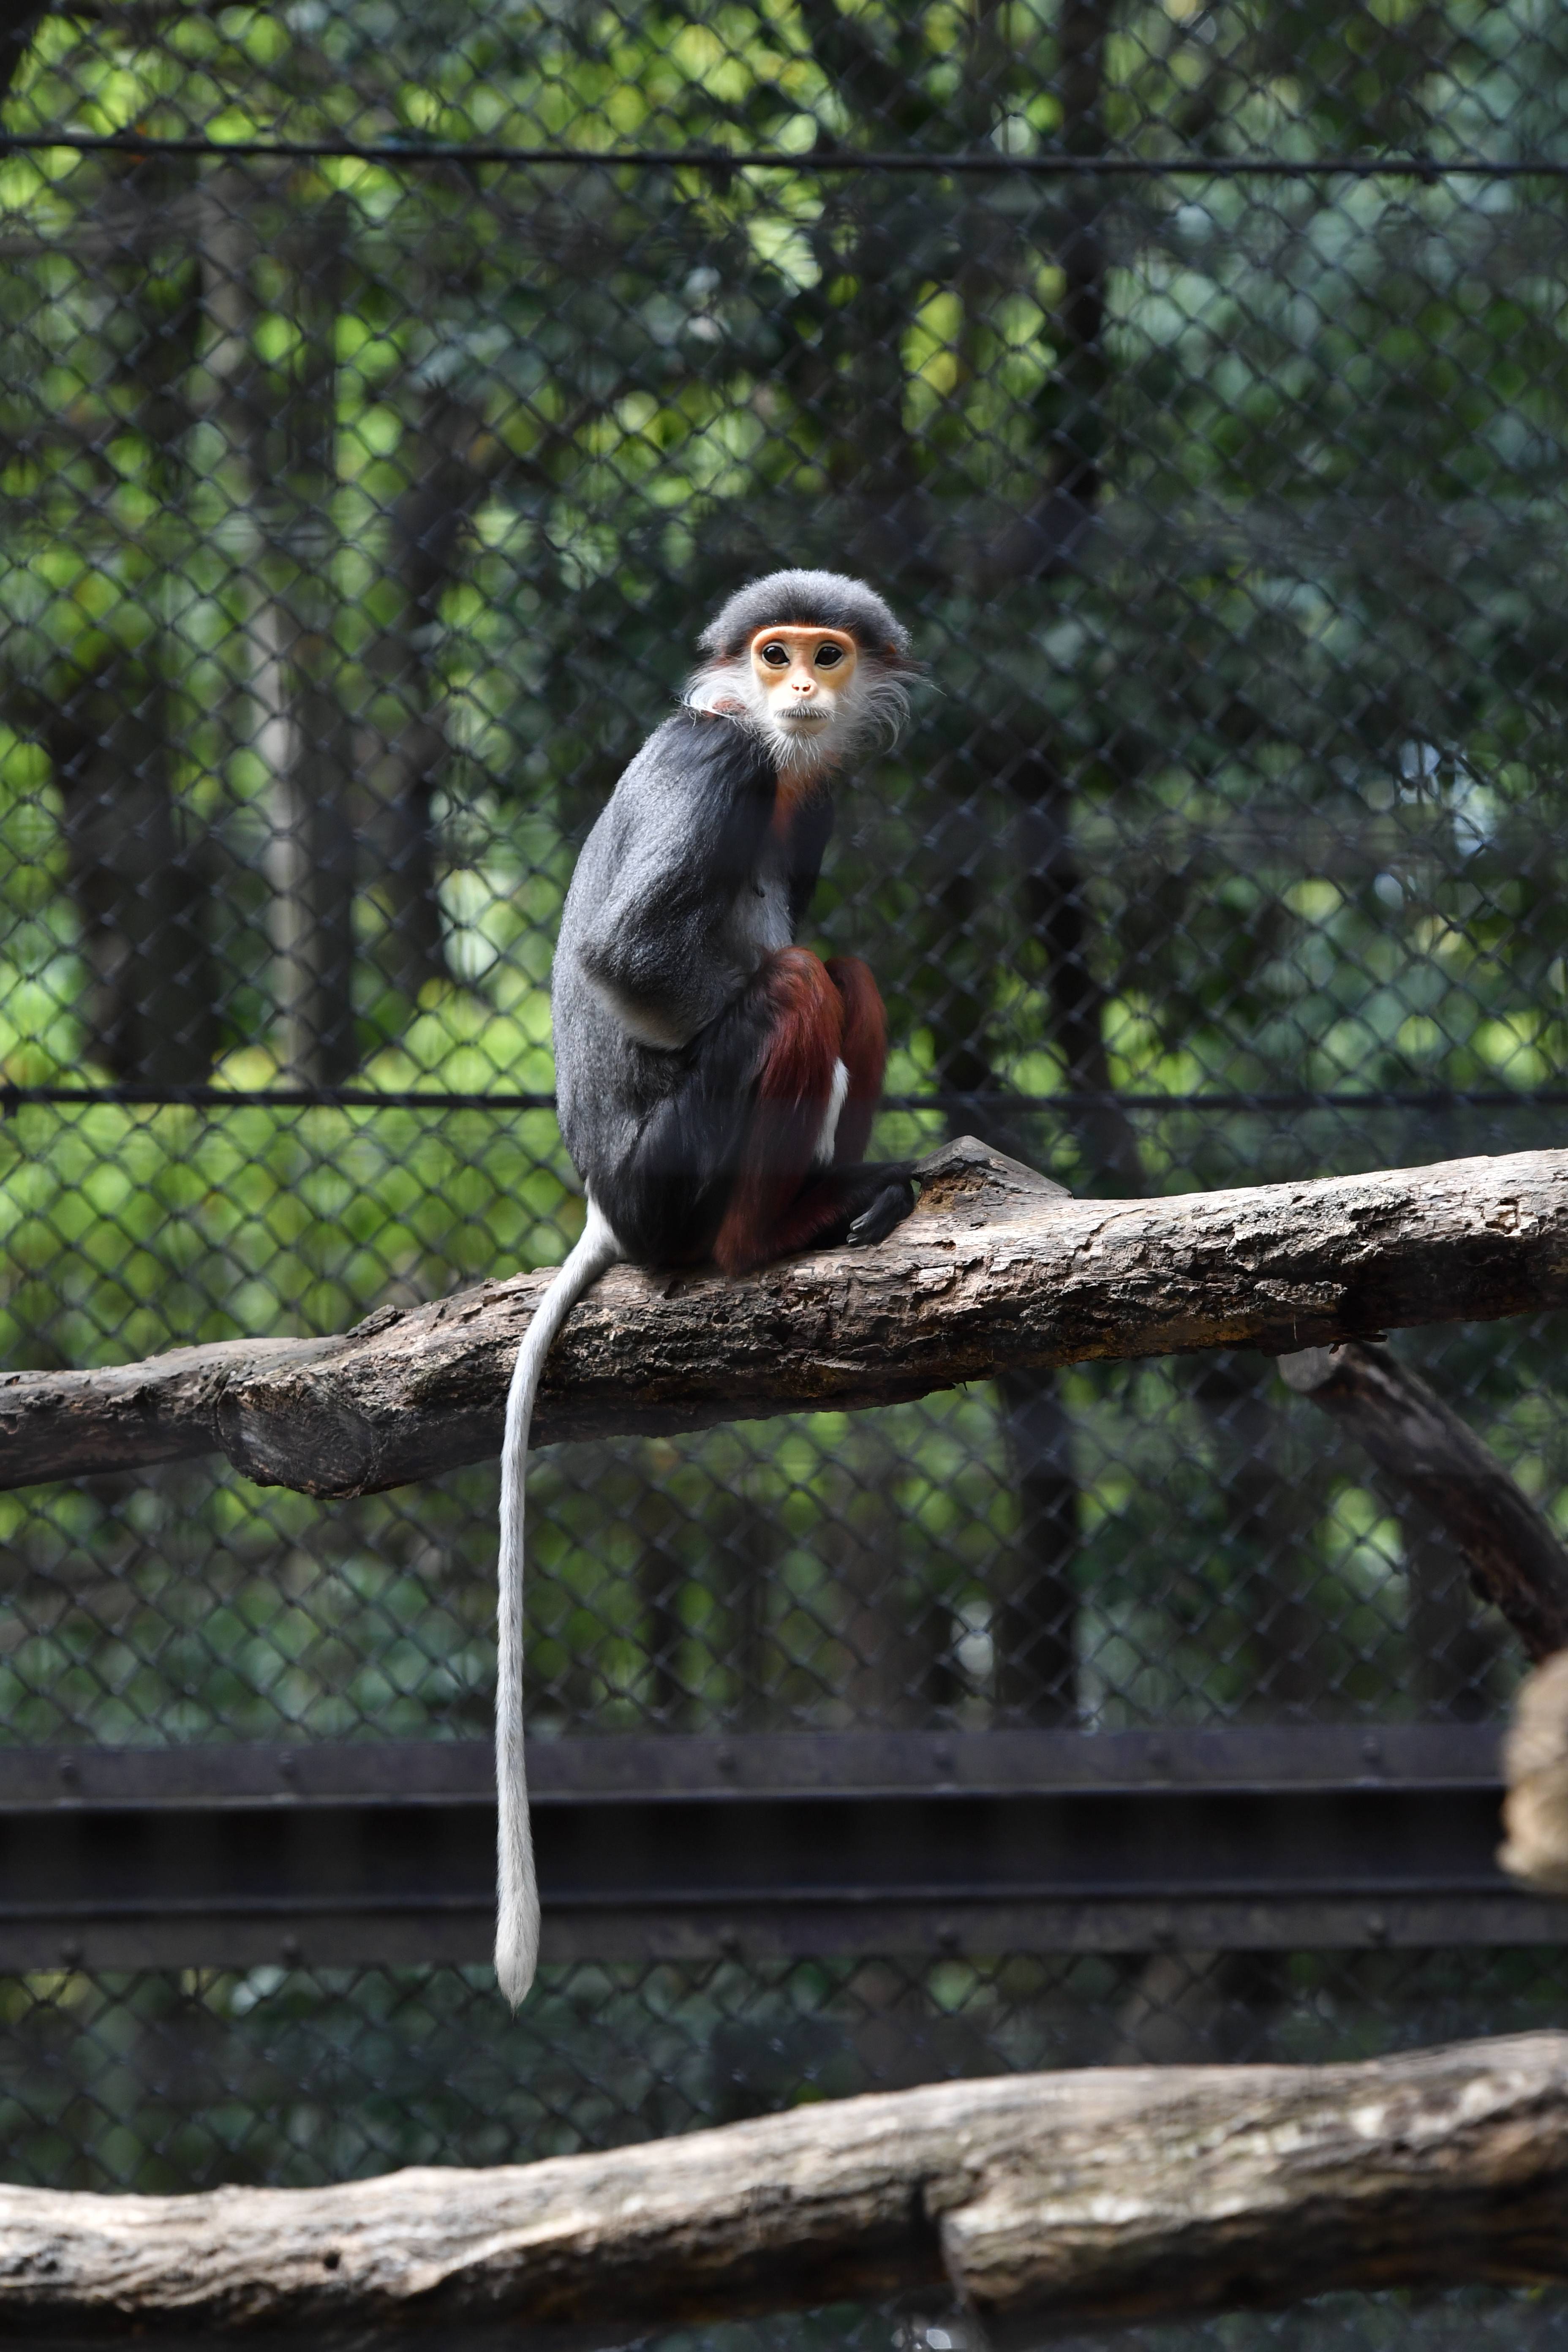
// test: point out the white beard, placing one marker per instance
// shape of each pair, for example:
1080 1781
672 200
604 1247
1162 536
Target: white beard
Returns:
871 705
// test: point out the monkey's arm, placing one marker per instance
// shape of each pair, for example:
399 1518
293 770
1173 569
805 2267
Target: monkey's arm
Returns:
653 898
808 837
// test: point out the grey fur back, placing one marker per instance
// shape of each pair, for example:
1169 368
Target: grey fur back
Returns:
639 937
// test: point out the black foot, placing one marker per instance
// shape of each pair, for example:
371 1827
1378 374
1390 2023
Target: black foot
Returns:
890 1207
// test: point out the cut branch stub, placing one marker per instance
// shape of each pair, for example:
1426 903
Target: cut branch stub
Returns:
997 1270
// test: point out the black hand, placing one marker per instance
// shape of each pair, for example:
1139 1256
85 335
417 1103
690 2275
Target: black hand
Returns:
890 1207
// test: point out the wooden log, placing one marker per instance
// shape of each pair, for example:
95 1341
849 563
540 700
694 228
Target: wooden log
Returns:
996 1269
1516 1559
1090 2196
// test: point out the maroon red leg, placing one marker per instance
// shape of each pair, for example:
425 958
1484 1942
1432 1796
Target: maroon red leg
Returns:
795 1086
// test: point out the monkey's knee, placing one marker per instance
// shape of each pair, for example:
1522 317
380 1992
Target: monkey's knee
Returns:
796 1082
805 1029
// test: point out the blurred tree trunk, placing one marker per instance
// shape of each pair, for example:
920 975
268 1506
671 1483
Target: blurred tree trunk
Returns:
409 751
1473 1540
252 719
1259 1538
135 881
1035 1621
872 463
1035 1630
312 860
20 20
138 881
746 1543
661 1577
895 1640
1262 1520
283 458
865 231
753 1544
1034 1598
1453 1648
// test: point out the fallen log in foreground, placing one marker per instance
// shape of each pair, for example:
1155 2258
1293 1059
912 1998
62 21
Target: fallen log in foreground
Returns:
998 1269
1093 2196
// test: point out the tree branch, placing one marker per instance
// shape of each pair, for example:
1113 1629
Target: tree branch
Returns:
1515 1558
998 1269
1102 2195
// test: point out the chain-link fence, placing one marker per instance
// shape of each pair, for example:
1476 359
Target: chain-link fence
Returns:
294 2077
386 397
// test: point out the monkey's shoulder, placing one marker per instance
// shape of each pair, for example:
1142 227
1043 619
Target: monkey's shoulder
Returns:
690 816
696 755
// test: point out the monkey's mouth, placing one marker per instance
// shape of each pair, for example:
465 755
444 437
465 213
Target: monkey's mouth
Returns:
798 718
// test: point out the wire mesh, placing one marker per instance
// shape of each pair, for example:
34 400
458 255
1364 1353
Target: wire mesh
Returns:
161 2081
386 397
359 513
165 2081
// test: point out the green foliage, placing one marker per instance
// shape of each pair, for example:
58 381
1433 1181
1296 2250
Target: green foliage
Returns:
1293 712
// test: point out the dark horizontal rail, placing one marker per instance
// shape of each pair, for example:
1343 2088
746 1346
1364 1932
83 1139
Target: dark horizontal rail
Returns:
1435 1098
988 162
783 1846
1247 1756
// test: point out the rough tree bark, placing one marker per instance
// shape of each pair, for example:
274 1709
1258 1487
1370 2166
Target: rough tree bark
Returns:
996 1266
1103 2195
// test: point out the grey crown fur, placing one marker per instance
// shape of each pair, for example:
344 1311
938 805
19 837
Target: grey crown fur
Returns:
823 600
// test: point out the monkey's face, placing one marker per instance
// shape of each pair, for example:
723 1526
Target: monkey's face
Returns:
814 694
803 689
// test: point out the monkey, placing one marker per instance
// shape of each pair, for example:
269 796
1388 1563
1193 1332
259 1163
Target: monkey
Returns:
715 1082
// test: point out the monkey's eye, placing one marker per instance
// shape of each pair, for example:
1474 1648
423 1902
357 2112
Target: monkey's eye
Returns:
777 656
829 656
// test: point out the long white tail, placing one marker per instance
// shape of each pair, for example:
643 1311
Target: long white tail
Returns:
517 1906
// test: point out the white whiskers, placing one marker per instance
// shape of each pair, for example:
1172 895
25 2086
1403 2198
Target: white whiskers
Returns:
873 705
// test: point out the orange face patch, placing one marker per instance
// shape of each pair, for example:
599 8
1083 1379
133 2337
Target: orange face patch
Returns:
801 668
